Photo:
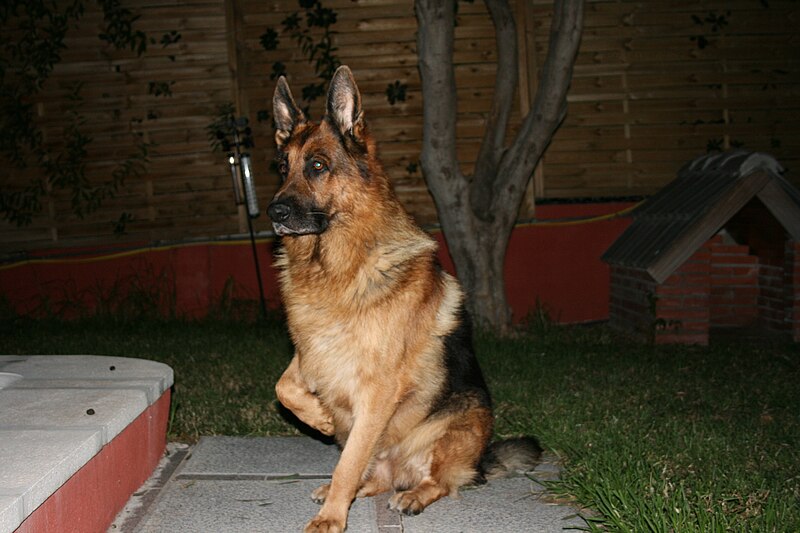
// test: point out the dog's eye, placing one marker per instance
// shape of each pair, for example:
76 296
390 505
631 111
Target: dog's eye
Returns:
318 166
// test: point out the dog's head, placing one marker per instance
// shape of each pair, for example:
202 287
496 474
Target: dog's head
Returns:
318 162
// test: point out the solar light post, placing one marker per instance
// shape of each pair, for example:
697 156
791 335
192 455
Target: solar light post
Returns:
244 188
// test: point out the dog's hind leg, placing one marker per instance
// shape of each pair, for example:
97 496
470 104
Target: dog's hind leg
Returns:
293 393
454 461
319 494
379 481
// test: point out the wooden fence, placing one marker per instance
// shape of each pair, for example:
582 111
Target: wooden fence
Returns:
656 83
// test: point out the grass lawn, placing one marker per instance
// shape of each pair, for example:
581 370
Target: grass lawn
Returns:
652 438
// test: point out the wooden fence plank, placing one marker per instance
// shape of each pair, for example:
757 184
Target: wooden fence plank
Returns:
644 99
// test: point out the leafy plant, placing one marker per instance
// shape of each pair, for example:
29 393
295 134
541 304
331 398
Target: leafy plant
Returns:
396 92
121 224
714 145
262 115
269 39
29 51
716 23
313 34
170 38
160 88
226 127
119 28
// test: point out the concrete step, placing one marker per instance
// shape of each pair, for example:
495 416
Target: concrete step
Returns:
78 435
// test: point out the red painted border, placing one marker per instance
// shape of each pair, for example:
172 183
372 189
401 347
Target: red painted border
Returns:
554 263
90 500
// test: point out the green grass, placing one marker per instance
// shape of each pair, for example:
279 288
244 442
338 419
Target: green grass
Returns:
652 438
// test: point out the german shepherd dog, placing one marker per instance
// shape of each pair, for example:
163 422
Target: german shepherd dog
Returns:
383 359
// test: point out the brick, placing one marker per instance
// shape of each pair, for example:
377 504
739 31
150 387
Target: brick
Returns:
734 323
691 278
729 260
689 267
734 282
738 249
734 290
669 290
670 303
682 314
771 270
702 255
734 260
676 338
775 284
693 327
694 301
749 271
743 302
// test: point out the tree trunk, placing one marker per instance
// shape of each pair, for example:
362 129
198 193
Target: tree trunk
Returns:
477 213
480 261
478 249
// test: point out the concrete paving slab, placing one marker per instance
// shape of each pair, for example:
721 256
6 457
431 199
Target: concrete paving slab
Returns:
7 378
233 484
235 506
261 456
507 505
108 411
37 462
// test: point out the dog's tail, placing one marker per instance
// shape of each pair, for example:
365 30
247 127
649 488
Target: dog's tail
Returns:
503 458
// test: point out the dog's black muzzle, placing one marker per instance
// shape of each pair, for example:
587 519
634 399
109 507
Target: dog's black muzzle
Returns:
290 217
279 212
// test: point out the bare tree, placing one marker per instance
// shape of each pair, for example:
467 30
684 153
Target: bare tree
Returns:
478 212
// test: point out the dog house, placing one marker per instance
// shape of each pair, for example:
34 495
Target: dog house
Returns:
717 250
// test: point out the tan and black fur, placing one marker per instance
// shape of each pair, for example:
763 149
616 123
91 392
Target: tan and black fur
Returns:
383 359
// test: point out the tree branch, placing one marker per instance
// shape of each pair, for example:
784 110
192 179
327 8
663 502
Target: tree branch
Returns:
549 107
506 76
436 23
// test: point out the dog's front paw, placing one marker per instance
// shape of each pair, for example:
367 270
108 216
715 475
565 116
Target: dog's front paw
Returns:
320 493
324 525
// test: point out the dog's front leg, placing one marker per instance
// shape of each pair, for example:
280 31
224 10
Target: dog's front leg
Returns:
370 421
293 393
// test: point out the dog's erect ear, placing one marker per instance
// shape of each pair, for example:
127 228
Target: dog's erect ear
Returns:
344 103
287 115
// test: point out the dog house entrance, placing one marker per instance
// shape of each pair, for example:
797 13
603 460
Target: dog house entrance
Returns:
746 275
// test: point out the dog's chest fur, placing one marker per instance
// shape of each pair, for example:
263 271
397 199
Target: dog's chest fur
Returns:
376 319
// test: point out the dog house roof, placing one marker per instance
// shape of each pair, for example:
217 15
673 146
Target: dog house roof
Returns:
671 225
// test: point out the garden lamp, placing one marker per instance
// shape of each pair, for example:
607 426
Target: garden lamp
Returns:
244 188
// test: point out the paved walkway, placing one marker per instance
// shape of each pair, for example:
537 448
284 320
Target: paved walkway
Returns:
233 484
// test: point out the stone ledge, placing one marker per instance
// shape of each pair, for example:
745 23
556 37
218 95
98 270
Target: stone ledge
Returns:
67 430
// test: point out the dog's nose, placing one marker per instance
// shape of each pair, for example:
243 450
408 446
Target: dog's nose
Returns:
278 211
